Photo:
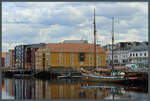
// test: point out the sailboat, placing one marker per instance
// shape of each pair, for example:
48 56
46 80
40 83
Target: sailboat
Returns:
114 76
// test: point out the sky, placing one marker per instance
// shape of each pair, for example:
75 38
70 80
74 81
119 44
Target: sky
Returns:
53 22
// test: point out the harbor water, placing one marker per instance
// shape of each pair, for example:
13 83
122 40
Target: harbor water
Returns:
70 89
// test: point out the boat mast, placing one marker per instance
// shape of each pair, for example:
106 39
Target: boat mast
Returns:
112 42
94 39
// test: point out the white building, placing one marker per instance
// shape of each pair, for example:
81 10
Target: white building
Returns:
139 56
120 57
127 53
109 47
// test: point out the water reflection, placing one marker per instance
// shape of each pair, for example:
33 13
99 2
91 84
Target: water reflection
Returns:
62 89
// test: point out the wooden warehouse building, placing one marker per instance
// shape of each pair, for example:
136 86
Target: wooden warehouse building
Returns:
68 55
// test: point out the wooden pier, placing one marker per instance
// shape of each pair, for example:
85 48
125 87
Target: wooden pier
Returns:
51 73
131 76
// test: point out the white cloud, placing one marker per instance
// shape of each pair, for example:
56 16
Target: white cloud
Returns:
56 21
10 45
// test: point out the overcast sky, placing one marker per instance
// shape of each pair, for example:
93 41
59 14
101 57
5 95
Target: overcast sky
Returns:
49 22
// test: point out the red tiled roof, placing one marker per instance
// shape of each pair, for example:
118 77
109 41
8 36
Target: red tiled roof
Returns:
69 47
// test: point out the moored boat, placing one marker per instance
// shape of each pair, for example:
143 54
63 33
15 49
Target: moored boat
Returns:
94 76
108 75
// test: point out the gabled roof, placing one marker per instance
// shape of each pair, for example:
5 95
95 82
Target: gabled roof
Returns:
70 47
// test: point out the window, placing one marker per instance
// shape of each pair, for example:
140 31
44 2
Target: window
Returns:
89 48
90 59
140 54
136 54
81 56
72 54
60 63
123 61
72 57
60 54
133 54
60 58
90 54
44 60
130 54
28 55
48 53
116 61
144 54
115 56
72 63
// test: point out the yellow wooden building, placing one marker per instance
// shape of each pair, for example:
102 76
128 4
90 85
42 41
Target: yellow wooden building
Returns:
69 55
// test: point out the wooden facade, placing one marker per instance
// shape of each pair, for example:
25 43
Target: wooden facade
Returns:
72 55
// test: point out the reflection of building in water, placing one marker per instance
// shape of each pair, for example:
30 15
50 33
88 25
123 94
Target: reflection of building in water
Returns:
11 87
39 89
20 89
69 91
95 93
56 91
3 86
82 94
101 92
29 89
6 85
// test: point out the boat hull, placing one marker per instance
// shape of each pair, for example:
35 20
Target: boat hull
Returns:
88 77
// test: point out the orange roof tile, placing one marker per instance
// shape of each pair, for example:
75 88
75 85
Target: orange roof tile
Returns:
71 47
